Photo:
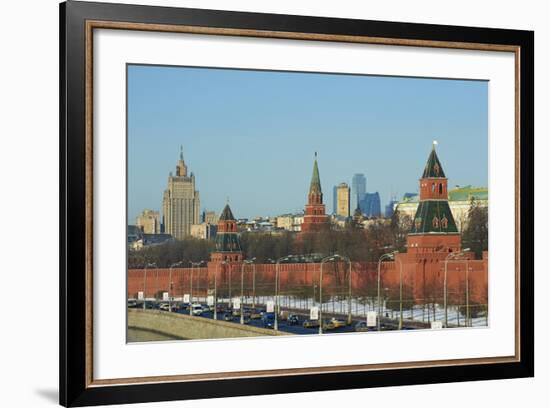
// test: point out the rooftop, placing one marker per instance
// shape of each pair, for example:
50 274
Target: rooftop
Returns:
465 193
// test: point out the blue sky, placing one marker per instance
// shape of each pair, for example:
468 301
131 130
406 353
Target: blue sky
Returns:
251 135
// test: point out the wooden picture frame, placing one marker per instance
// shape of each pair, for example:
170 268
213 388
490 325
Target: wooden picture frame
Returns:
78 20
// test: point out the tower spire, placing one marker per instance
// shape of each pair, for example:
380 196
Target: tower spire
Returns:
433 167
181 168
315 185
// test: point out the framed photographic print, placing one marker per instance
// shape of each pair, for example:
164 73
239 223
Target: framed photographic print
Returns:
256 203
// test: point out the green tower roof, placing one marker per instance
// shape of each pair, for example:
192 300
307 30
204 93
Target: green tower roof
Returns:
315 186
434 216
228 242
433 166
226 214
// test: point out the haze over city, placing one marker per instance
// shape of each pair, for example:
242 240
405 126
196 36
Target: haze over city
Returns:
250 136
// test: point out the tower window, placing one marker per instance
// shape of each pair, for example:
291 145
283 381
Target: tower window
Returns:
433 187
440 188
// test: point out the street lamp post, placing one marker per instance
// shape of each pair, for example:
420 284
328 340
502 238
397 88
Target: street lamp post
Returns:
468 322
144 287
277 310
314 293
323 261
193 265
156 284
349 291
245 262
253 286
389 255
145 282
450 256
191 286
216 289
229 303
400 293
170 285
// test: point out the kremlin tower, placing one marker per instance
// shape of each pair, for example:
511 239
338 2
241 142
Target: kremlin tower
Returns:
228 246
315 219
434 228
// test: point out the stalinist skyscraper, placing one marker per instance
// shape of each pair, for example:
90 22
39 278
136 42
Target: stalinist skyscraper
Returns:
181 202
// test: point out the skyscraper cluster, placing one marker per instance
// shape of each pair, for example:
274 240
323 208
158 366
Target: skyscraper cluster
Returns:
346 200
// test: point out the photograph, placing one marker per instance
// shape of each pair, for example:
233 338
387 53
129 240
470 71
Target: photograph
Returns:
266 203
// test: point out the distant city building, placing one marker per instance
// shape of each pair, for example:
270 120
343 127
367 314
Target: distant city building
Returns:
369 222
181 202
204 230
290 222
156 239
358 190
370 205
137 239
460 200
149 222
134 233
343 200
390 207
209 217
358 218
315 218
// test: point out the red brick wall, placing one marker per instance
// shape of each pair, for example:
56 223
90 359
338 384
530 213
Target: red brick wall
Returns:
422 280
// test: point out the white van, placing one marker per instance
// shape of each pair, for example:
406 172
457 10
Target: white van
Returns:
196 309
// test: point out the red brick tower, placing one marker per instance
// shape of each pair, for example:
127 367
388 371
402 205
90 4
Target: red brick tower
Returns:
315 219
434 228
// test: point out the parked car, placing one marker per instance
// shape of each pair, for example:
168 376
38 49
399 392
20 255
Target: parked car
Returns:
283 315
196 309
255 314
228 317
236 312
177 307
310 324
361 327
132 304
338 322
148 305
164 306
205 308
329 325
293 319
268 319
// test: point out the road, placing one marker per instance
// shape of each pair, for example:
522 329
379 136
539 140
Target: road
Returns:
283 325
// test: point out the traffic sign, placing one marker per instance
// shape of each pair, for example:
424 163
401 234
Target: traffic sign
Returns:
140 295
236 303
437 325
210 300
314 313
270 306
165 296
371 319
186 298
